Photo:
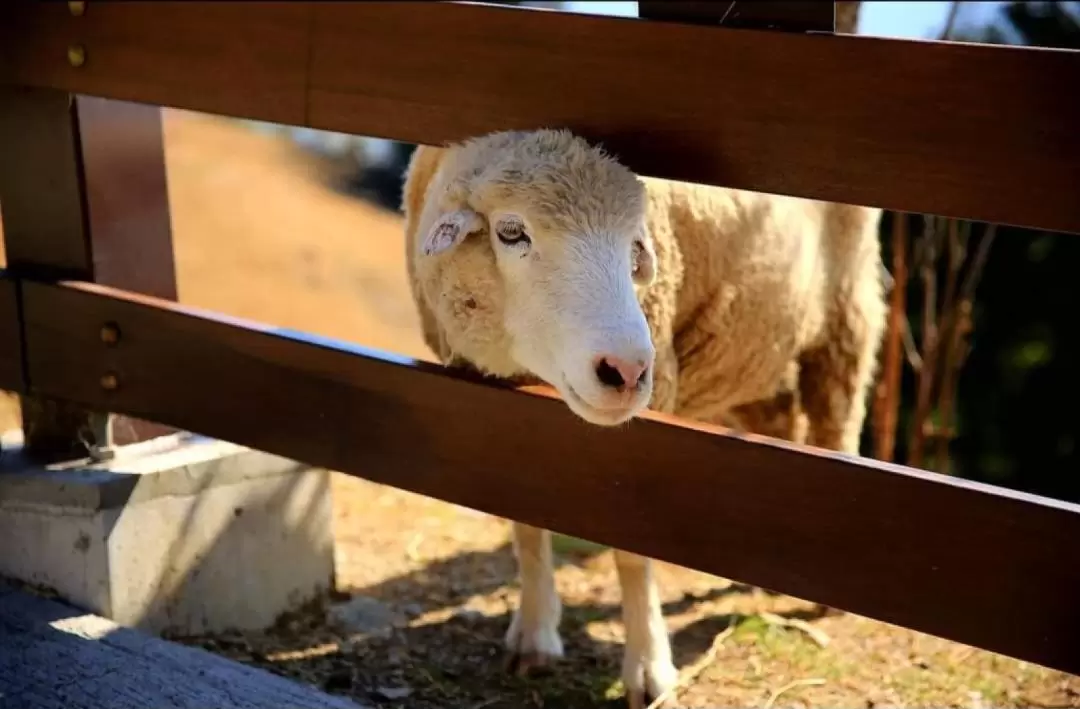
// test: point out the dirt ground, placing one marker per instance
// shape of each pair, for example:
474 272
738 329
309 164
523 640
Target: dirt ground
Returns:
258 234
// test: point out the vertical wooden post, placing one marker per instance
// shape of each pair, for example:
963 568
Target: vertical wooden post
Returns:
130 230
123 158
83 195
846 17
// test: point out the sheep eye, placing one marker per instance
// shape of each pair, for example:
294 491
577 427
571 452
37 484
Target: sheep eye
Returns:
512 233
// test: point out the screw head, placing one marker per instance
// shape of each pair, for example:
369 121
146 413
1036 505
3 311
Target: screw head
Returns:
76 55
110 333
77 8
109 382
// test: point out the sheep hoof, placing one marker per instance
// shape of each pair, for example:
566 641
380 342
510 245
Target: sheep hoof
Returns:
527 650
645 684
640 699
522 663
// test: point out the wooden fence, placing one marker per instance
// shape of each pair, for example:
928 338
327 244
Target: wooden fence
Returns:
88 315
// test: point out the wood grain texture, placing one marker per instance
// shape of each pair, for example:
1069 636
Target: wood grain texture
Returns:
127 195
940 555
11 355
84 190
53 656
45 231
959 130
905 125
239 58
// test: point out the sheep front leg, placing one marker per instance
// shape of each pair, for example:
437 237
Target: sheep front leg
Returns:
533 637
647 670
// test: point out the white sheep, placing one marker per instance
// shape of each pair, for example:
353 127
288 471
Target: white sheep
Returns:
535 256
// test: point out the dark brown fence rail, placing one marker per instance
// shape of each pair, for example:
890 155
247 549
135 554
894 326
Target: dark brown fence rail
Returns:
940 555
904 125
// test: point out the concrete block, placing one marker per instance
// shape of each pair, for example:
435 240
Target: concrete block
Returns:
179 534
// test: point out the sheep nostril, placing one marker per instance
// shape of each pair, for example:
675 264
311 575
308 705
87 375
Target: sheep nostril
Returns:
618 373
609 375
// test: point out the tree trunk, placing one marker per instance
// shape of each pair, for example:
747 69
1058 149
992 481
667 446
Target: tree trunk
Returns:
847 17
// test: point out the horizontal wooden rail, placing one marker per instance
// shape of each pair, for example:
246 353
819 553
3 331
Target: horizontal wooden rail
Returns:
940 555
962 130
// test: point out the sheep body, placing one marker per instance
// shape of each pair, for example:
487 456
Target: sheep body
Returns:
772 298
765 313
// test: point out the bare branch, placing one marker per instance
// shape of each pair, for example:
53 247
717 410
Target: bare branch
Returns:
974 274
911 350
950 336
886 404
960 327
950 20
928 251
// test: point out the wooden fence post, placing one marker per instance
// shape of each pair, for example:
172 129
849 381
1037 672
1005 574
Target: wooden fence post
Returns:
83 196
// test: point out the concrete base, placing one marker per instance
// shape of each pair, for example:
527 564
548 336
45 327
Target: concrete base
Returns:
180 534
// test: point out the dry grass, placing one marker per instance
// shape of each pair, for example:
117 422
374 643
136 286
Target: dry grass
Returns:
448 573
258 235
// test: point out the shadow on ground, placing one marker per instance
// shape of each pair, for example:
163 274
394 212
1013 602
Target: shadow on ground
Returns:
445 648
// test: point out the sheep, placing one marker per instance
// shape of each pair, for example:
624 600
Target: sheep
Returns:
535 257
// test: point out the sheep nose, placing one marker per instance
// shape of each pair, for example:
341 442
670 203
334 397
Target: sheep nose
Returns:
618 373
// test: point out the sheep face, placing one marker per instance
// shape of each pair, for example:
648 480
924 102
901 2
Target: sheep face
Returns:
534 259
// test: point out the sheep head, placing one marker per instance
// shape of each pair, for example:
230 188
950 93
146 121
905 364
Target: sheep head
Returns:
531 250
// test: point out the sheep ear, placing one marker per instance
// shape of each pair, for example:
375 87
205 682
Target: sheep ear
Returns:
644 262
449 230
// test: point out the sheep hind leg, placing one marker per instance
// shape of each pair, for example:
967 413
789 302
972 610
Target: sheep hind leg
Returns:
532 640
835 380
834 383
647 670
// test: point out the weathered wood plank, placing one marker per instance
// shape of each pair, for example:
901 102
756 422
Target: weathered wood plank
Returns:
899 124
45 232
53 656
236 58
961 130
122 148
936 554
11 354
84 190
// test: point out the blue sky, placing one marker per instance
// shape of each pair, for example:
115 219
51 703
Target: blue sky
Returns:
917 19
884 19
